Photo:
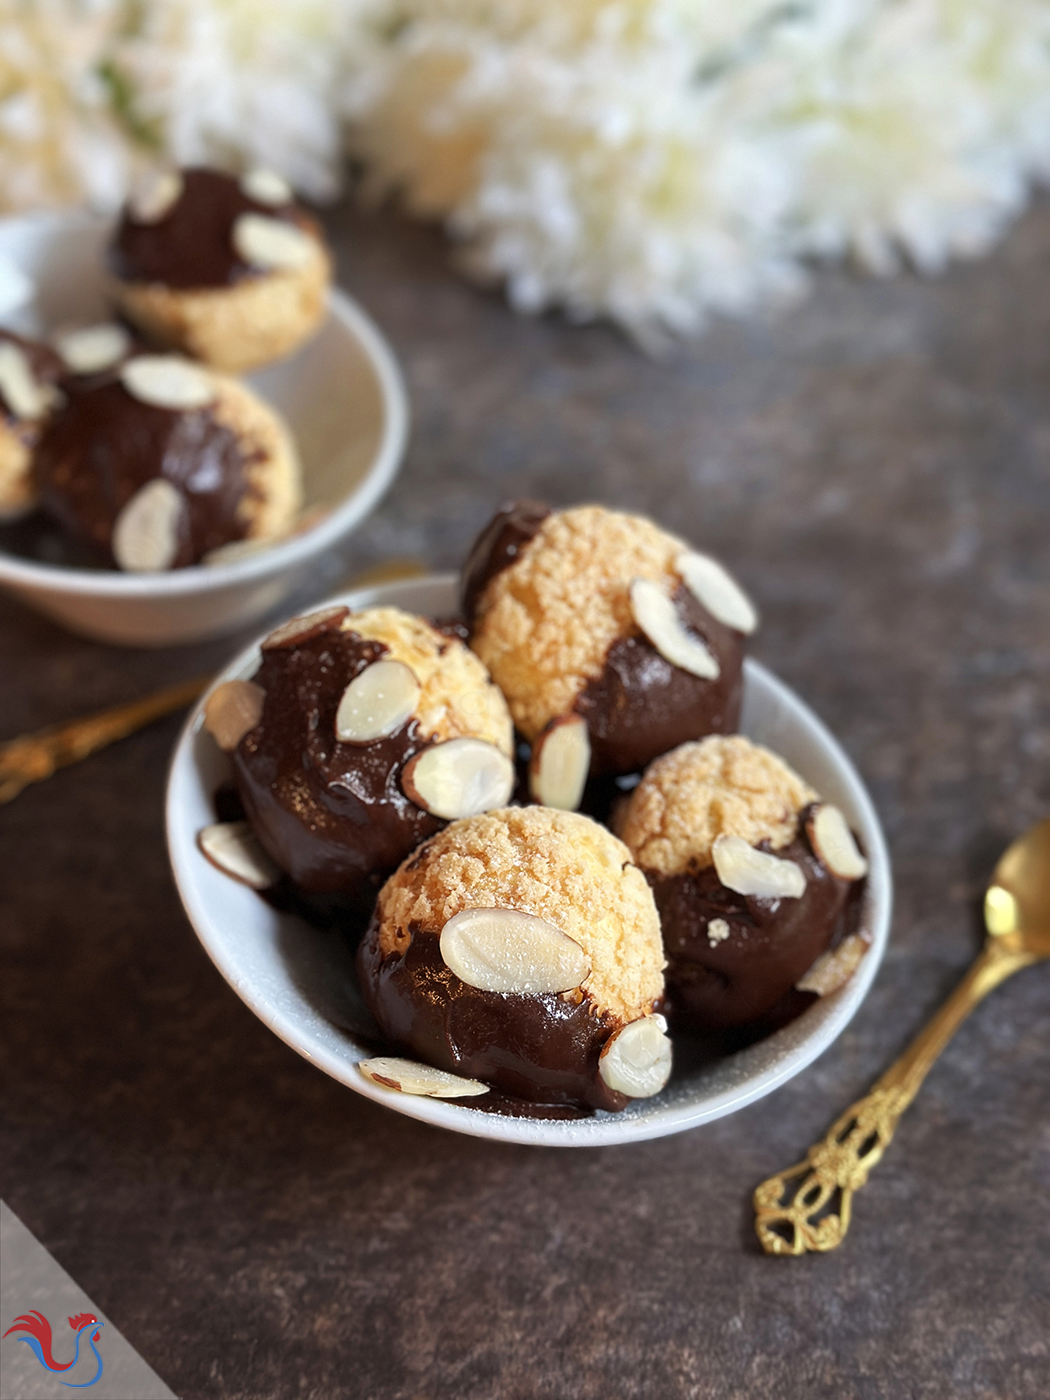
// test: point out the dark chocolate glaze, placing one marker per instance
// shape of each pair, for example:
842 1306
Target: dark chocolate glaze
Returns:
541 1048
771 943
192 245
332 815
641 706
103 445
497 547
47 368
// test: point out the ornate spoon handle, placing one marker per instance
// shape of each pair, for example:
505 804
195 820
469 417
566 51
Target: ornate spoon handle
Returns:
807 1207
34 757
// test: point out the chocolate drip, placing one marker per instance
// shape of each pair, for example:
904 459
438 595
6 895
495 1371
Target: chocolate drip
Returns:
641 706
46 367
332 815
103 445
192 245
542 1048
497 547
771 942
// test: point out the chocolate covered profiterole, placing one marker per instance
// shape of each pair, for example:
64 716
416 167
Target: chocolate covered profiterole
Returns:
612 640
158 463
521 949
750 871
29 373
361 734
230 270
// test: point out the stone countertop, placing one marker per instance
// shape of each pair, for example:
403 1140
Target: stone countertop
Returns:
875 466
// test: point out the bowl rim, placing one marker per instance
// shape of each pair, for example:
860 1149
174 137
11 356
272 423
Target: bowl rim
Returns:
286 554
603 1129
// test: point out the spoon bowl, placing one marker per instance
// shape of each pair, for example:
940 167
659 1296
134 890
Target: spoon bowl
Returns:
1017 903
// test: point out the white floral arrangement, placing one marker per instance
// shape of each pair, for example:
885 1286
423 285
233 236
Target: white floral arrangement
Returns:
652 161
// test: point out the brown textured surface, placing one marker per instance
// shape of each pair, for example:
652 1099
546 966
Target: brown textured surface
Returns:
875 468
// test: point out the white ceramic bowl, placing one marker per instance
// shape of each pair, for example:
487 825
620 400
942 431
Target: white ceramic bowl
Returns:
302 984
341 393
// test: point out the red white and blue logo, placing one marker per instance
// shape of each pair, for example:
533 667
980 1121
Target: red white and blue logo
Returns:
34 1329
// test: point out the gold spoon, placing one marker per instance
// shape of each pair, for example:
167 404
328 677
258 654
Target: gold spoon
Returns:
807 1207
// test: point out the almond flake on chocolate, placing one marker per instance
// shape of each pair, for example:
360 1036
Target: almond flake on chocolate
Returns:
272 243
717 931
93 348
24 396
834 843
834 968
167 381
657 616
507 950
266 187
746 870
231 711
232 848
459 778
715 589
234 551
303 629
410 1077
561 760
377 702
154 196
636 1061
146 532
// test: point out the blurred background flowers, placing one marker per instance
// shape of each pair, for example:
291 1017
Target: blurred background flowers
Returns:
649 160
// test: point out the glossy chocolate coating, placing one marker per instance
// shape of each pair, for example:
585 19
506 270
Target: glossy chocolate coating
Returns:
47 368
192 245
771 943
332 815
497 547
103 445
541 1048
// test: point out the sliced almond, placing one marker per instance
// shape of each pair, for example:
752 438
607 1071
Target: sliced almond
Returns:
24 396
834 968
232 848
235 550
93 348
657 616
410 1077
377 702
834 843
232 710
146 532
167 381
303 629
742 868
155 195
459 778
636 1061
272 243
507 950
561 760
715 589
266 187
718 931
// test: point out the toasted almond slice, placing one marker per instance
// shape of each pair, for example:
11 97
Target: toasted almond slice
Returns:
93 348
507 950
657 616
834 968
167 381
715 589
272 243
377 702
235 550
459 778
18 384
834 843
410 1077
231 711
304 629
742 868
561 760
636 1061
232 848
266 187
718 931
155 195
146 532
